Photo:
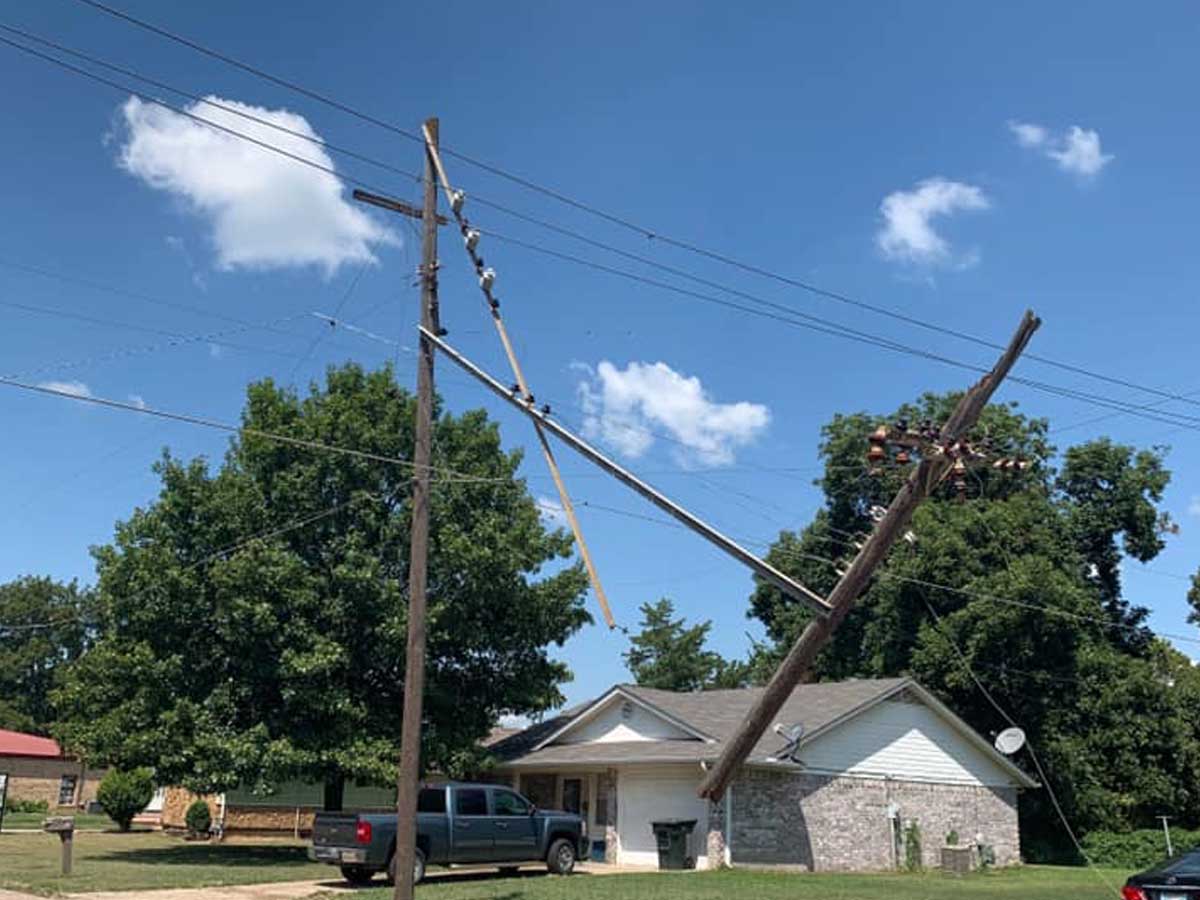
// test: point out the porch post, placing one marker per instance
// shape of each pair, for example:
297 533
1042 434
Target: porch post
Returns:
611 848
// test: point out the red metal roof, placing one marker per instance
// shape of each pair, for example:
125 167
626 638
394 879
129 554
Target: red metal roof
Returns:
16 743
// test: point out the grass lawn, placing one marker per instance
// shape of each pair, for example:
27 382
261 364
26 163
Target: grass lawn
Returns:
1030 883
34 820
111 861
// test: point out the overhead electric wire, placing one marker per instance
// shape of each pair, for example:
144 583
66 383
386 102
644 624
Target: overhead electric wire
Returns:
445 473
621 221
791 318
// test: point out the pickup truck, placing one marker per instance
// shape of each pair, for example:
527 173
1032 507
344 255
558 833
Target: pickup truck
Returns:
457 824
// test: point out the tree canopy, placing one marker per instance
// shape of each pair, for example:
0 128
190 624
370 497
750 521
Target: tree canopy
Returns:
668 654
44 626
1020 587
224 661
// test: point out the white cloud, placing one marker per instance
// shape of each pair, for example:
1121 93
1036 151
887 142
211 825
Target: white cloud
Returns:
264 211
138 400
1078 151
1028 134
623 407
74 388
552 512
907 234
216 351
1194 506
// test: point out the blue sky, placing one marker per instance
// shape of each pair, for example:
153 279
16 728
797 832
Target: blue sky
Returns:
955 163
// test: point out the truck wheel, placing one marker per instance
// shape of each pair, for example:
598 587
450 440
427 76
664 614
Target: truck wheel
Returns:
356 875
418 867
561 858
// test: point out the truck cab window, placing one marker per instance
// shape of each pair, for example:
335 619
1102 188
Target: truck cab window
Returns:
431 800
509 804
470 802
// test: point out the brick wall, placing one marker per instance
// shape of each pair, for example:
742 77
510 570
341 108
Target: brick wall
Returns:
829 823
34 778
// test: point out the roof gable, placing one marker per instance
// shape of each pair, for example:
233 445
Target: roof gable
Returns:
647 722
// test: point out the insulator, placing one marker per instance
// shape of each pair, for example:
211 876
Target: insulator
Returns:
959 469
876 454
514 388
457 199
902 457
487 279
879 435
472 239
902 425
545 409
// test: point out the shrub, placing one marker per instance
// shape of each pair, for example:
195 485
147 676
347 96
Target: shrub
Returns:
1136 849
912 847
122 795
27 806
952 838
198 818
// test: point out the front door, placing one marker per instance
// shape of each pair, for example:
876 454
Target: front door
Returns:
513 827
573 796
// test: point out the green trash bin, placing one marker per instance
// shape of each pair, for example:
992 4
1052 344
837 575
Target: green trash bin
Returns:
673 837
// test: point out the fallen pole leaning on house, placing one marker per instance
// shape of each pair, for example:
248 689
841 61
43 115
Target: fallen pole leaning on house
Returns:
932 469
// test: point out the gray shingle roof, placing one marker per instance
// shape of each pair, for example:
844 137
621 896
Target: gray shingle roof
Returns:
716 714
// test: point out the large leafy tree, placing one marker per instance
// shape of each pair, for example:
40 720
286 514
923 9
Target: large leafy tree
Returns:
284 656
669 654
1019 587
44 626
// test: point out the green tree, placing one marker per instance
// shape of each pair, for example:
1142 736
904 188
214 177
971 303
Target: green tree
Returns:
668 654
44 626
284 657
1022 580
122 795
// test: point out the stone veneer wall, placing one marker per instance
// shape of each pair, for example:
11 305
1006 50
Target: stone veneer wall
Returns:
35 778
831 823
611 838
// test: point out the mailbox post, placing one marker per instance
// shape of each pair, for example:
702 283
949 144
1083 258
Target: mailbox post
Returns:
64 827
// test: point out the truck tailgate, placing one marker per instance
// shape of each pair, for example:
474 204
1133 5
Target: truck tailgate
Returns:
334 829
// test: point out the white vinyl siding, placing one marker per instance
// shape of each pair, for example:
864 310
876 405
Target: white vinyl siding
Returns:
623 720
902 740
647 795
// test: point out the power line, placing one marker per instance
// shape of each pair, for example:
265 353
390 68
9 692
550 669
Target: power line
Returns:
448 474
641 230
791 318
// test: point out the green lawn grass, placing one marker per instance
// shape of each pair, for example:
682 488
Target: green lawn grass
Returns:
34 820
111 861
1028 883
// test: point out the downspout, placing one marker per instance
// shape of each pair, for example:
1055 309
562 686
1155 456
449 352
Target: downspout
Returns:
729 825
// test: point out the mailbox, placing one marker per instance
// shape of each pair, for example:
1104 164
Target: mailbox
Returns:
64 827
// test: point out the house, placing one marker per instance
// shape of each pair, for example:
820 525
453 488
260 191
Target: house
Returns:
288 809
37 769
848 767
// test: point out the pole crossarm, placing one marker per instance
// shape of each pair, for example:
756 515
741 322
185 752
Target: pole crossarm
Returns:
455 201
759 566
932 469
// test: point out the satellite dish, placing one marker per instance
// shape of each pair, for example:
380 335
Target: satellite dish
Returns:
1010 740
791 734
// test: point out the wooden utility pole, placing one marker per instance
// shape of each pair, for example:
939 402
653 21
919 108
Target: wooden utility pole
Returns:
414 663
932 469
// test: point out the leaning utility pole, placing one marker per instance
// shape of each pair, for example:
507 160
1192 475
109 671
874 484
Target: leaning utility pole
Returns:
414 662
933 468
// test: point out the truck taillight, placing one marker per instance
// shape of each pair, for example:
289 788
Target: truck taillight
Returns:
362 834
1129 892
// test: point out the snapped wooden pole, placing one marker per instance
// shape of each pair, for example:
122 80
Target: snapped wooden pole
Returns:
924 479
563 496
414 662
760 567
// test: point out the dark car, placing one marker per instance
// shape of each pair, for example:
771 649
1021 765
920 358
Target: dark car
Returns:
1178 878
457 824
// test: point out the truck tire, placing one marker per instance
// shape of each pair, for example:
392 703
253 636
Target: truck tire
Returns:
561 858
418 867
357 875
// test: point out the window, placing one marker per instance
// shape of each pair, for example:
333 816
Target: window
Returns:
431 800
509 804
470 802
66 790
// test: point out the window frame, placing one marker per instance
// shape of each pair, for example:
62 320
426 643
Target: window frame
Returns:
63 780
459 793
501 791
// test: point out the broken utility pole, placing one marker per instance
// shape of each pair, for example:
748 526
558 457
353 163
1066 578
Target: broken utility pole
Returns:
487 278
932 469
760 567
414 662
